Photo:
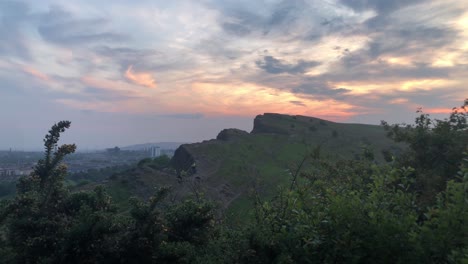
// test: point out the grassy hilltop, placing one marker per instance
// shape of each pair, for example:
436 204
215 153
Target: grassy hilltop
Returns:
228 167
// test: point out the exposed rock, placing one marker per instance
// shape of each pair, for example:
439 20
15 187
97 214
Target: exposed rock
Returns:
231 134
182 159
268 123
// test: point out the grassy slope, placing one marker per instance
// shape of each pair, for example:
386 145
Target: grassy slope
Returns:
263 159
228 170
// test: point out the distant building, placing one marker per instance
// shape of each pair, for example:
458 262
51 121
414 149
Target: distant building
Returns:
155 151
5 172
9 172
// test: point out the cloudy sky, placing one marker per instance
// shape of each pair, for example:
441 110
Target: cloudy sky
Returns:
145 71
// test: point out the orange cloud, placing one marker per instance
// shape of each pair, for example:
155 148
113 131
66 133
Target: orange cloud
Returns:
36 73
245 99
215 99
111 85
142 78
399 101
383 87
437 110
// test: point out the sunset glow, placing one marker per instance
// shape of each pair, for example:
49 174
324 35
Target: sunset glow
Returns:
143 78
351 61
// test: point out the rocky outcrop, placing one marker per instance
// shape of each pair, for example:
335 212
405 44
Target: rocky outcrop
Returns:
270 124
231 134
182 159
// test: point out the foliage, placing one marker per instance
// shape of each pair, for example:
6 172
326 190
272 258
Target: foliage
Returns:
337 215
97 175
352 212
157 163
158 232
45 223
435 148
7 188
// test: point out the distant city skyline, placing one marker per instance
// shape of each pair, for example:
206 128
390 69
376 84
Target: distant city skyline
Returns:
129 72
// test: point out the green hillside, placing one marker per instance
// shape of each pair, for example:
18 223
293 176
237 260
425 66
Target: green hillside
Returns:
230 166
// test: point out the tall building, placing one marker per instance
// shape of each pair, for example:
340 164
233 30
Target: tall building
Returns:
155 151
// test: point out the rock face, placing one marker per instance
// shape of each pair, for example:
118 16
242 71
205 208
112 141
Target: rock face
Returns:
231 134
182 159
269 123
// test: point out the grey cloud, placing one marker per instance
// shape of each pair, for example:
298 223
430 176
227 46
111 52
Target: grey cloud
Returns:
245 17
242 22
21 84
285 14
124 52
410 41
333 25
236 29
360 69
59 34
282 22
275 66
61 27
320 88
236 20
381 6
354 59
299 103
77 32
12 17
105 95
125 56
145 59
395 41
219 50
433 98
390 37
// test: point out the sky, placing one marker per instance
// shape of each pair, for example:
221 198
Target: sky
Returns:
127 72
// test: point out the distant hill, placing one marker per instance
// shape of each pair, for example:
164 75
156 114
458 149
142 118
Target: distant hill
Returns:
228 167
162 145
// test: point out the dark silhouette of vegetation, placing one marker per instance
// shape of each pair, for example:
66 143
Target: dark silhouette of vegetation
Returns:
97 175
435 148
45 223
157 163
7 188
388 157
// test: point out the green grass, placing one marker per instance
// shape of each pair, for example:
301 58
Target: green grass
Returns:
264 157
260 159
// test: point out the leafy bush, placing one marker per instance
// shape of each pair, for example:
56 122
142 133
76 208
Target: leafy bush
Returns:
435 149
45 223
157 163
7 188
